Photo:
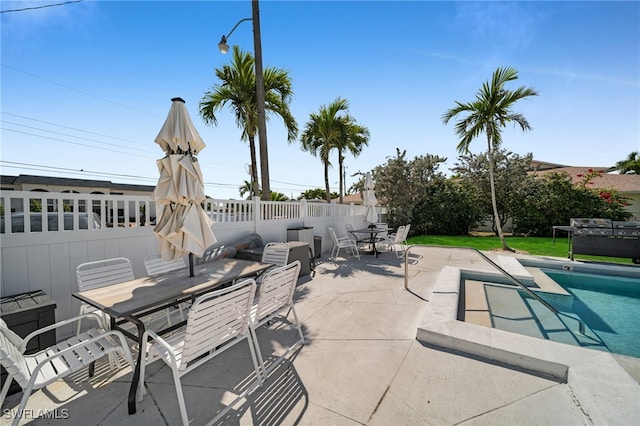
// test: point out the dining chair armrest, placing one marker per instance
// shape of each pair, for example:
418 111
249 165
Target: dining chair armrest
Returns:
59 324
162 342
50 356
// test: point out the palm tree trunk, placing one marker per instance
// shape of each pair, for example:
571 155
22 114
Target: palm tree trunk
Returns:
262 129
254 167
326 180
340 167
494 202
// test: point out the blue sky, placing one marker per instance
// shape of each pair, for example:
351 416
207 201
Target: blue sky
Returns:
87 86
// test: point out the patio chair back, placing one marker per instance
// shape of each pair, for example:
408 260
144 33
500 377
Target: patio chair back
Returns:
276 254
406 234
382 225
275 297
276 290
37 370
155 264
102 273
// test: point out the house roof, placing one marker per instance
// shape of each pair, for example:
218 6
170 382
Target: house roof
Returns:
70 182
629 183
351 198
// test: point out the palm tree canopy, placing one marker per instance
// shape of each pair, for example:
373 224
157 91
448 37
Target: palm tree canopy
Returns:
490 111
324 129
238 90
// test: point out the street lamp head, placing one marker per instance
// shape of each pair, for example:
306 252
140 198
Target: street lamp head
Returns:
223 46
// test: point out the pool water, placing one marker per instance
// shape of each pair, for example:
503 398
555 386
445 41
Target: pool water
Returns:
608 305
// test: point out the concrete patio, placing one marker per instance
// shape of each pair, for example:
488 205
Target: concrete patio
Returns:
361 364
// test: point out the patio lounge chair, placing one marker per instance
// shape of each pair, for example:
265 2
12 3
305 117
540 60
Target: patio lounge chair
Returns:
38 370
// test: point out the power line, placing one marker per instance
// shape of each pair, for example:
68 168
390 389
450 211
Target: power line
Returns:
66 141
41 7
73 136
40 167
80 91
68 127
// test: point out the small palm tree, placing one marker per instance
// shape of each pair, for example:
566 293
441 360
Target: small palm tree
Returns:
247 188
323 132
488 114
238 90
354 138
630 165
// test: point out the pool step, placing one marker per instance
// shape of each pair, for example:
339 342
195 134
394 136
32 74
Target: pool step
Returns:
511 311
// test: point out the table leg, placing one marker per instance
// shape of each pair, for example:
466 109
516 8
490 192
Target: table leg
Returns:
136 372
373 243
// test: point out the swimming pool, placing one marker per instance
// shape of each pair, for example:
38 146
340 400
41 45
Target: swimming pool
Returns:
608 305
598 304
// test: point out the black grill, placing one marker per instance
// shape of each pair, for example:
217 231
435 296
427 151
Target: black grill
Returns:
603 237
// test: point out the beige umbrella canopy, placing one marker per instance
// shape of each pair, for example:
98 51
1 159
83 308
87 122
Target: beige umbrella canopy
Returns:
369 199
184 227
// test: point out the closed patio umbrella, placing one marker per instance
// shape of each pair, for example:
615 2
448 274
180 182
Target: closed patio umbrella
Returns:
183 227
369 199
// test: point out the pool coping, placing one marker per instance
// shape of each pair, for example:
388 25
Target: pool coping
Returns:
601 386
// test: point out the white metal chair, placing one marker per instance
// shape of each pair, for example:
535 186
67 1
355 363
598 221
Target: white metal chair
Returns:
349 228
276 254
340 242
406 234
384 234
393 242
38 370
275 297
155 264
101 273
216 321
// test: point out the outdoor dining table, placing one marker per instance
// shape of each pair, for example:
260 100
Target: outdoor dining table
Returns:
130 301
373 232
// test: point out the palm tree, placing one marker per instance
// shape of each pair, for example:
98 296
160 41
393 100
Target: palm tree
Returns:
323 132
630 165
354 138
247 188
238 90
488 114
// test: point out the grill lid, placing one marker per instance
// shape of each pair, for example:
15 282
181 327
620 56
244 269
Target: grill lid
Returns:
590 223
626 225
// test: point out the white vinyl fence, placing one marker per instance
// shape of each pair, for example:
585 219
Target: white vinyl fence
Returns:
41 249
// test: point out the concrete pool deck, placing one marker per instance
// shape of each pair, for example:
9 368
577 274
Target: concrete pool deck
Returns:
362 364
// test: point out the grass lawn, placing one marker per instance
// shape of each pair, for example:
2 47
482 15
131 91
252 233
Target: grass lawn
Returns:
539 246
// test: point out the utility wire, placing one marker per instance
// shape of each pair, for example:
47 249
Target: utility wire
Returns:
67 127
41 7
73 136
39 167
79 91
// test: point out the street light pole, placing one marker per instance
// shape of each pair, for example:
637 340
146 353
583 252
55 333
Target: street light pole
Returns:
262 119
262 122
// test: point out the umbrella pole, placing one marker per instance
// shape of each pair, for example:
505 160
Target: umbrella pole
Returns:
191 264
